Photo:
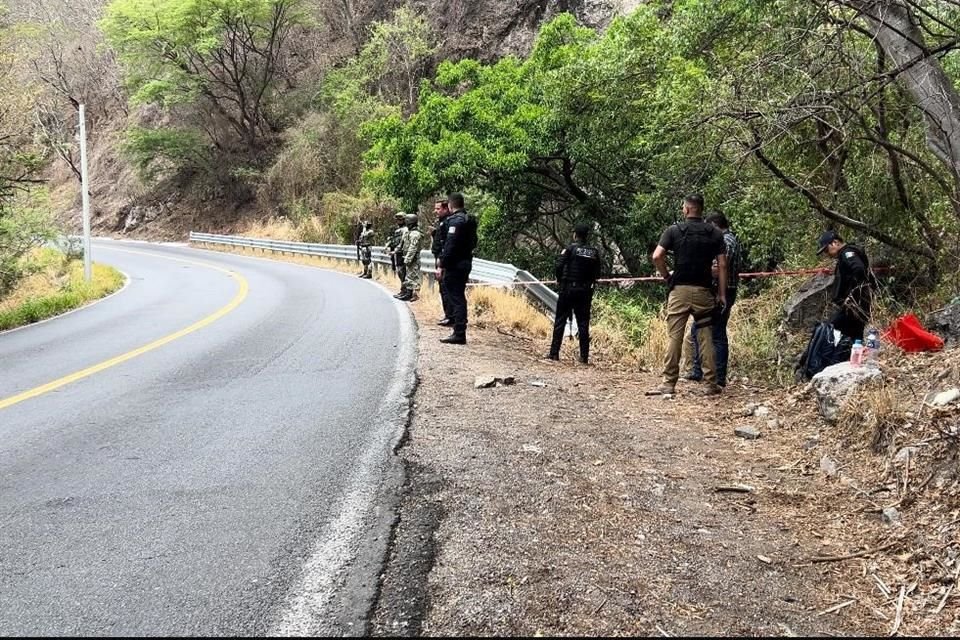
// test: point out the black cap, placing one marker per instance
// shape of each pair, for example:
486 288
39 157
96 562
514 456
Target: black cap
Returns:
825 240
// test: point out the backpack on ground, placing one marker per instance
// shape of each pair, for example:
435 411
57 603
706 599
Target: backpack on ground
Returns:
822 351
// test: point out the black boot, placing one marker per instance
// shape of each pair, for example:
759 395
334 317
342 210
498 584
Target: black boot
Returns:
446 322
455 339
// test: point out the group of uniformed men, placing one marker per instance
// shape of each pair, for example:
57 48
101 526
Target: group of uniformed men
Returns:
703 283
454 240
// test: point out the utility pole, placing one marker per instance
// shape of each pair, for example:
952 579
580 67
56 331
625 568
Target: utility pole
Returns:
87 267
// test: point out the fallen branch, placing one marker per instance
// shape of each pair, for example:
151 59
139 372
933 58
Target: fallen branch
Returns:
851 556
898 619
837 607
734 488
512 335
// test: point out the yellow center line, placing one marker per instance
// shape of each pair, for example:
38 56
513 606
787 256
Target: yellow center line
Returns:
243 290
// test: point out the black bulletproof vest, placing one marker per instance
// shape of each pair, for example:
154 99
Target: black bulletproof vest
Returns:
582 266
694 252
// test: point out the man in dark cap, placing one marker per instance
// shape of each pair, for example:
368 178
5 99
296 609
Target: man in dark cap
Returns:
851 284
578 268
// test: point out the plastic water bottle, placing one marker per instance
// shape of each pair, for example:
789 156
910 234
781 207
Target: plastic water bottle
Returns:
856 354
872 348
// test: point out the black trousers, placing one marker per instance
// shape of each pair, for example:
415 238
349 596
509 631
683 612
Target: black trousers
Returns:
455 282
402 273
445 299
849 323
579 303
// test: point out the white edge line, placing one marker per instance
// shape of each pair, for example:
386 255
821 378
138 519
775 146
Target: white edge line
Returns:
126 283
307 607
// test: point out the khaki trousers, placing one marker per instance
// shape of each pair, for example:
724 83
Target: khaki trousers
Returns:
686 301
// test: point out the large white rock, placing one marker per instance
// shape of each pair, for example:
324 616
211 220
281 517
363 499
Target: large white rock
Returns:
836 383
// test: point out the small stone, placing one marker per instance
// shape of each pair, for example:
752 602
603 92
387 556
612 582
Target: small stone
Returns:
764 559
891 516
944 398
531 448
507 380
537 383
829 466
747 433
761 411
484 382
811 443
773 423
906 452
748 410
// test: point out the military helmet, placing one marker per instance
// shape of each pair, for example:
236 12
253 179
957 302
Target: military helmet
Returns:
412 218
400 215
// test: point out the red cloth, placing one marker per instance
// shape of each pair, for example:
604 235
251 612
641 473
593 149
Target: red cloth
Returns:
908 334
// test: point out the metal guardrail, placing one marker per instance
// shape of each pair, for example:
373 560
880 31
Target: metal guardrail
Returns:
484 271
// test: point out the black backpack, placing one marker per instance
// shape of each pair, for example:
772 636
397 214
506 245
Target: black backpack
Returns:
822 351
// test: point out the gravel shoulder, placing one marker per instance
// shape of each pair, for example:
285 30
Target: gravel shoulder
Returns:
570 503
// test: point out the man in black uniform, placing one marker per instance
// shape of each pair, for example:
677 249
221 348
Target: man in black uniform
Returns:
456 262
442 210
578 268
694 244
851 285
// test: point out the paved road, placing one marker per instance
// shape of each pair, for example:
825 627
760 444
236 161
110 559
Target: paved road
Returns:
232 480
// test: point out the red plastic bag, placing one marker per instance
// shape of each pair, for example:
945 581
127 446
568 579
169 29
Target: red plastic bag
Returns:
908 334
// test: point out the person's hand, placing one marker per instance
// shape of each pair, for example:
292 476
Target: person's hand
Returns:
722 301
439 273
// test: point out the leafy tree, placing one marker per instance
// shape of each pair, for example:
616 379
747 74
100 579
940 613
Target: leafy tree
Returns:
216 65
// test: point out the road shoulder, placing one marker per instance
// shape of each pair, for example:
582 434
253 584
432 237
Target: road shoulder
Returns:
569 503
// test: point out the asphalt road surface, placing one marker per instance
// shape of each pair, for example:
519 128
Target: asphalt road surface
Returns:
207 452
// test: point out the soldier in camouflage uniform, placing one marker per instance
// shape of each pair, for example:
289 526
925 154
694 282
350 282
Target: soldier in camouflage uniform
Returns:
411 259
400 235
395 245
366 254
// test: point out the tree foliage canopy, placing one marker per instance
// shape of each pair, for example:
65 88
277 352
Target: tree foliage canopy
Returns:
788 115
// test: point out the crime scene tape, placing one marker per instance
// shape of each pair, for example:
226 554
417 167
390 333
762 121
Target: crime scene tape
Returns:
658 279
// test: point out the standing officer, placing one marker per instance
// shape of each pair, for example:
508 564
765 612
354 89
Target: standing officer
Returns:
694 244
442 210
395 247
366 255
413 245
721 317
456 262
851 285
578 268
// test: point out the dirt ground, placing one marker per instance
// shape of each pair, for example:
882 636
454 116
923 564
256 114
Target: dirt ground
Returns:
570 503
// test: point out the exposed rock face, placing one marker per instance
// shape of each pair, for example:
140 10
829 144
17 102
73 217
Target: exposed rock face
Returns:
946 322
488 29
807 305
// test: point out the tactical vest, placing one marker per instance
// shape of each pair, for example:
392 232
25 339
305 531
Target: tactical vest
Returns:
694 253
581 267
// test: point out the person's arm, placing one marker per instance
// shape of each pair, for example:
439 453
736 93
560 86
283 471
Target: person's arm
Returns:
413 248
561 264
722 279
660 262
454 231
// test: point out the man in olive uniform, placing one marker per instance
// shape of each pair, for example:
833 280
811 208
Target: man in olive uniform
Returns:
413 245
442 210
395 247
366 254
851 285
456 262
694 244
578 268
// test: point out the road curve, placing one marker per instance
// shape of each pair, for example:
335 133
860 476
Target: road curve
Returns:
214 457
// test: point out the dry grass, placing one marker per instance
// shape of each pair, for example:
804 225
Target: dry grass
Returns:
273 229
508 310
873 416
55 287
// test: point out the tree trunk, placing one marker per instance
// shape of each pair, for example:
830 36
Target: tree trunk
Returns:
895 27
